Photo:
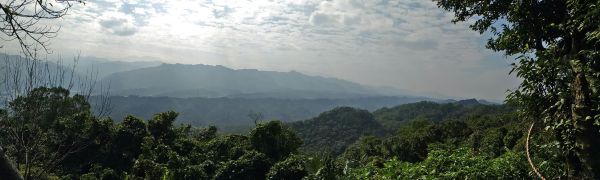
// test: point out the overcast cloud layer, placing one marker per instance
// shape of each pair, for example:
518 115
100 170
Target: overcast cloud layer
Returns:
407 44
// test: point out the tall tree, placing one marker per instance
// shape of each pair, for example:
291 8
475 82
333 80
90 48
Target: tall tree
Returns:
48 130
23 21
557 44
275 140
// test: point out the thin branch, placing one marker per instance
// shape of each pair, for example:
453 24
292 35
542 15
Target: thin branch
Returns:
529 156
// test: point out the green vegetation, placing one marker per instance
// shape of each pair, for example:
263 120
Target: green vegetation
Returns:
557 44
334 130
475 146
395 117
51 134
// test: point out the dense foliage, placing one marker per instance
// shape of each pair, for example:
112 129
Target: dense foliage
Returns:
52 134
334 130
48 131
458 140
394 117
477 145
557 44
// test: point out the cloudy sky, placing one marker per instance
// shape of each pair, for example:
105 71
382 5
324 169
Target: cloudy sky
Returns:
407 44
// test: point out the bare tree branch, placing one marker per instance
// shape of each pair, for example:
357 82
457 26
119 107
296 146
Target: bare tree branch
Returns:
22 20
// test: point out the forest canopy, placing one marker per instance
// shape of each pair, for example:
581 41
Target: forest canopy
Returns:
68 142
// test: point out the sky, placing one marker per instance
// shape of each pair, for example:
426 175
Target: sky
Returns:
405 44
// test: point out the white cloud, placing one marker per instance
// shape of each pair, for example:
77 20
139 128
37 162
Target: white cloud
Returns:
352 13
118 24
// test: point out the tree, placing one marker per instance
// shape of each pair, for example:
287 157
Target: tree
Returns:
37 95
23 20
126 145
46 129
255 117
275 140
205 134
161 126
557 43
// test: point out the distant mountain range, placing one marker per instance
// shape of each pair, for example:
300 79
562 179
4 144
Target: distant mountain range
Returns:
104 67
228 112
180 80
22 73
150 77
218 95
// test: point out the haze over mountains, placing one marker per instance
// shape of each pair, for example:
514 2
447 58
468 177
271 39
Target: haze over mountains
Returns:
233 112
217 95
180 80
104 67
154 78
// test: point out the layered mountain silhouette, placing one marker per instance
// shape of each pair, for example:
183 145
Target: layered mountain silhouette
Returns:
180 80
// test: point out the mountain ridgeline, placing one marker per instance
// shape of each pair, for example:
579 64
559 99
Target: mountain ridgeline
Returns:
233 112
179 80
153 78
217 95
103 67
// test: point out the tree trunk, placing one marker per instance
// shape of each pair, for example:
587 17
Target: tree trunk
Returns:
587 135
7 170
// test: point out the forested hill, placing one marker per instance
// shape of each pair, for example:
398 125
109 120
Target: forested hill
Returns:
392 118
333 131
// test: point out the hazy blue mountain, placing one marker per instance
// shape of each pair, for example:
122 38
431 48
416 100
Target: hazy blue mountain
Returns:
86 66
104 67
179 80
34 73
234 111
